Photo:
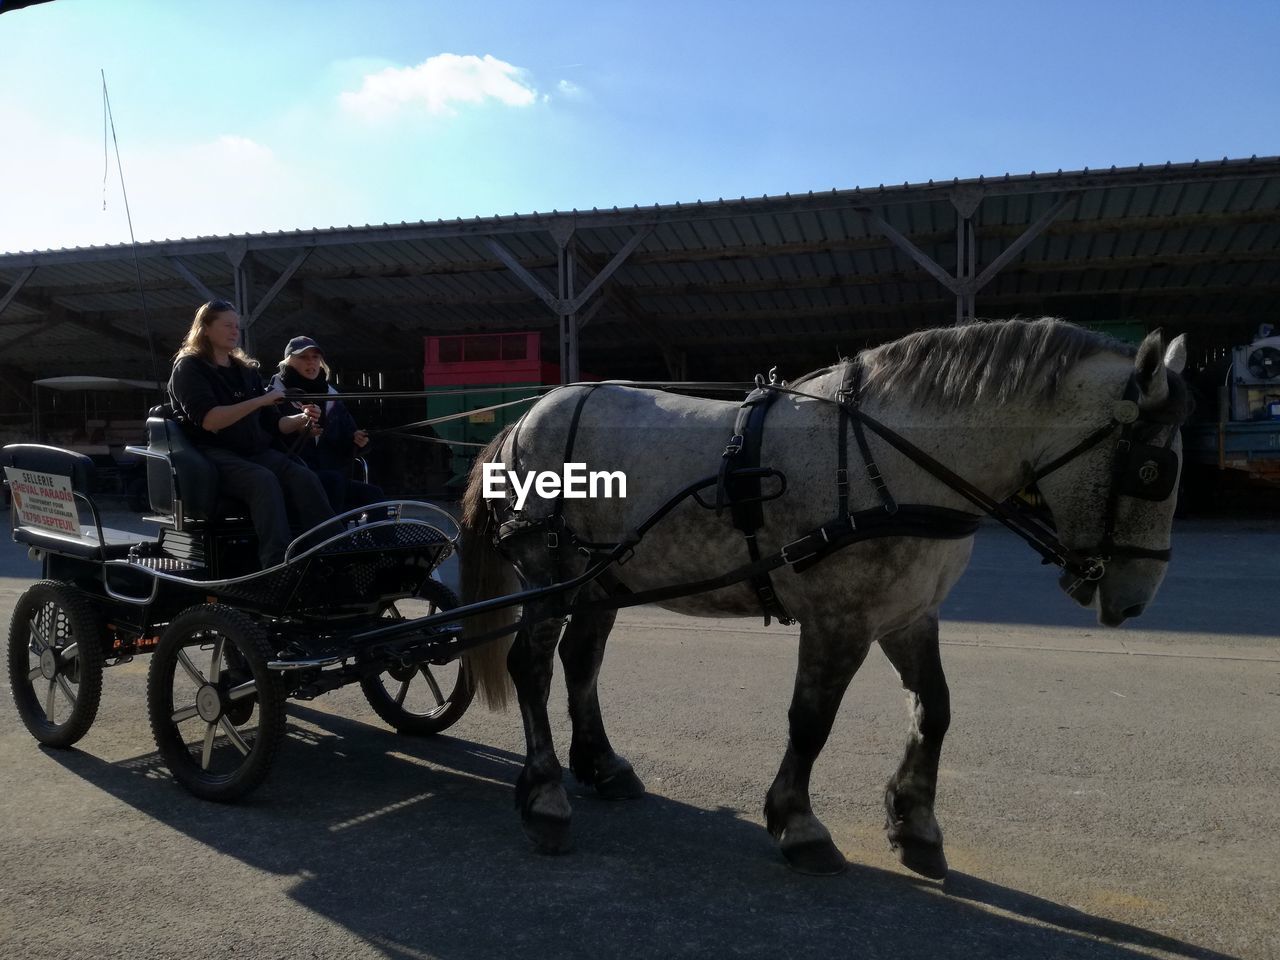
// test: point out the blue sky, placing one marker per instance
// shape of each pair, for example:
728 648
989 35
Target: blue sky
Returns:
238 117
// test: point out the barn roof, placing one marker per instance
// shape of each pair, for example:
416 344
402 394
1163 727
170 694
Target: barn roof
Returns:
1190 246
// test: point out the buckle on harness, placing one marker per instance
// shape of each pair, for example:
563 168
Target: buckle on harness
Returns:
811 548
734 446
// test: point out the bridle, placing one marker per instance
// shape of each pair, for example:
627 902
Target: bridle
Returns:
1139 469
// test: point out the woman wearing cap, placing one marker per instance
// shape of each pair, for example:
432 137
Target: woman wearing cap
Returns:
335 439
234 421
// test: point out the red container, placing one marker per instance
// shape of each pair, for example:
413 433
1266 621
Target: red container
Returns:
478 359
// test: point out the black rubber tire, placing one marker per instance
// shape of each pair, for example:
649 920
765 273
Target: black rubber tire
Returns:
74 620
439 718
246 656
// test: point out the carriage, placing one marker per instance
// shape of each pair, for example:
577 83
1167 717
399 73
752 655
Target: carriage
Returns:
230 643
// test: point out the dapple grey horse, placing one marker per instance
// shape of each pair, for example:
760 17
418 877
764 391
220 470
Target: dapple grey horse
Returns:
992 401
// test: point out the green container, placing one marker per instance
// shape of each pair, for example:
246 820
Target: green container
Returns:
479 427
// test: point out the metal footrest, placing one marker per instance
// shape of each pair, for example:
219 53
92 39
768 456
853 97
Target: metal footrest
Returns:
167 564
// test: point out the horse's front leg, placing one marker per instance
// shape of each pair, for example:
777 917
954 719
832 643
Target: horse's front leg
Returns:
540 796
829 657
912 828
591 757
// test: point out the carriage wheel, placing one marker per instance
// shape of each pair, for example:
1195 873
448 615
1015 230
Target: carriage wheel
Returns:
427 698
217 712
55 662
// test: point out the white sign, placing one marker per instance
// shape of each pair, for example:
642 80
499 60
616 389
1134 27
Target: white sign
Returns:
43 500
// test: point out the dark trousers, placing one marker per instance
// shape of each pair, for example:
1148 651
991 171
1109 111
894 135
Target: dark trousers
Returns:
275 487
347 494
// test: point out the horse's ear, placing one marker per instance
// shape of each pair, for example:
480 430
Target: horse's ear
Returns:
1175 356
1149 366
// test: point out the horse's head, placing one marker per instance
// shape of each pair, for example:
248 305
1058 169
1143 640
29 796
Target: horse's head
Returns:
1114 503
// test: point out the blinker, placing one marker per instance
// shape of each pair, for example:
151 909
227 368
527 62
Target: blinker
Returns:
1149 472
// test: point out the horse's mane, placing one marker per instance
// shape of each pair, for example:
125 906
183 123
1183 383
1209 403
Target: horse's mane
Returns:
990 361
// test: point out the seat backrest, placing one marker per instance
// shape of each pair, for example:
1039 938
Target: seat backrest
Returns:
197 477
42 459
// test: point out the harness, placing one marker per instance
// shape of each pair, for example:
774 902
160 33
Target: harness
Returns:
1139 470
738 485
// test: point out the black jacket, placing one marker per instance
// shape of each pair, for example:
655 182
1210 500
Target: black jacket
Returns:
196 386
335 448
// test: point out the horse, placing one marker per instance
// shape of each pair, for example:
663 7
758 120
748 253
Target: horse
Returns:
1000 403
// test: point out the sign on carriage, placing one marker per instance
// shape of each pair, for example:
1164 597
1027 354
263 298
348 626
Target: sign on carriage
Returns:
43 500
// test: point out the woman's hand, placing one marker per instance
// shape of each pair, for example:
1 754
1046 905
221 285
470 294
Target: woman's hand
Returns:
274 394
361 438
306 420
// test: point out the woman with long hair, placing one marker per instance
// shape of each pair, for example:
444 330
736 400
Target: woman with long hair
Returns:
234 421
335 440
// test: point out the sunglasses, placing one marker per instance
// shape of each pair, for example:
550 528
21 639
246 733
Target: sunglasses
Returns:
219 306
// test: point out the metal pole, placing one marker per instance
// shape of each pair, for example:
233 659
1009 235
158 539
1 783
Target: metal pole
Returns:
566 321
570 320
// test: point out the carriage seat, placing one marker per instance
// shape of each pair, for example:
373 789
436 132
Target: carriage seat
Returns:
84 544
181 480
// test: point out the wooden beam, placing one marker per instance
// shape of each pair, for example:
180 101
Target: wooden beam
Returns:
527 278
187 274
280 283
911 250
15 287
609 269
1020 244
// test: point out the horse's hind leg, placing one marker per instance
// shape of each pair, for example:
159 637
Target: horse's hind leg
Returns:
591 757
912 828
540 796
829 658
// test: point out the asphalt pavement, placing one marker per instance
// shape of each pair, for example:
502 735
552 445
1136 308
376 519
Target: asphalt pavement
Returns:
1104 794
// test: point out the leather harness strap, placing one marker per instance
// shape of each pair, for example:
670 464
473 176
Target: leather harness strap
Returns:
743 494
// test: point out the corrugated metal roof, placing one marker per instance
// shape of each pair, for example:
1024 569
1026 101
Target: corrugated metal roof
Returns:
1190 246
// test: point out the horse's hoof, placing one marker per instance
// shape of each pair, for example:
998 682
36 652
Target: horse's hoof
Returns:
818 858
549 835
925 859
623 785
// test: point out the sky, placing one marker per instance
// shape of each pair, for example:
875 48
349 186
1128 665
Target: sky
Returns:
242 117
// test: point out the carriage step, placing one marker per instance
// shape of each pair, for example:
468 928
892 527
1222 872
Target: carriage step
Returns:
166 564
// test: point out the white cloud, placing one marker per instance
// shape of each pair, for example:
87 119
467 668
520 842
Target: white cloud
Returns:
570 90
438 84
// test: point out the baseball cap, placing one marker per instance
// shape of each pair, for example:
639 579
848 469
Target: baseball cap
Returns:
298 344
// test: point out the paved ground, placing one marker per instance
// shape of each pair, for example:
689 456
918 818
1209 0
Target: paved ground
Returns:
1105 794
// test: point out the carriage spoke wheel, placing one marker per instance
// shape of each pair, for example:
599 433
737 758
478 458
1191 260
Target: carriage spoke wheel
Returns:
217 712
55 662
421 699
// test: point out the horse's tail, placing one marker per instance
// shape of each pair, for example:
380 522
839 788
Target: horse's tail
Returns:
486 575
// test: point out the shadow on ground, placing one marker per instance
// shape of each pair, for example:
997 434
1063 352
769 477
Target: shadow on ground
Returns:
413 846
